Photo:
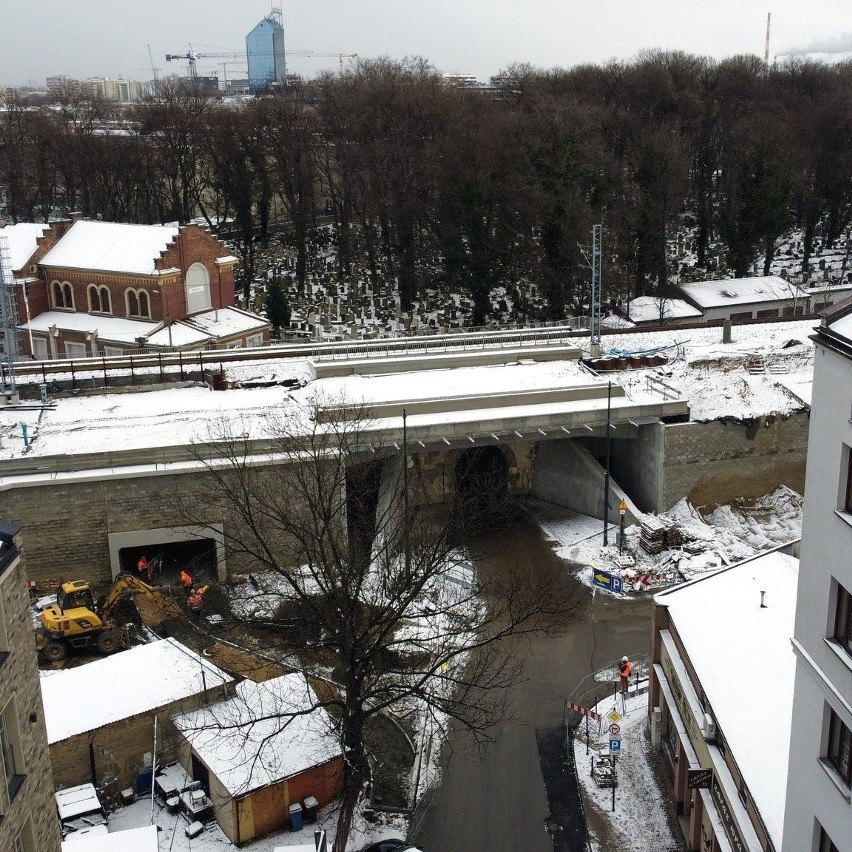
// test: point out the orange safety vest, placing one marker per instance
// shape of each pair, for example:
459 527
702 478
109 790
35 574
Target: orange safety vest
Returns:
625 669
185 579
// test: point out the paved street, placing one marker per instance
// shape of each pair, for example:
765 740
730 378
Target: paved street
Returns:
499 803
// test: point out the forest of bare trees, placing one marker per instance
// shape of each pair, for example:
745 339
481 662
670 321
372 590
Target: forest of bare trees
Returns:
420 183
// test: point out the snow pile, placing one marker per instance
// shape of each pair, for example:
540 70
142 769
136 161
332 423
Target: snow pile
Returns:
726 535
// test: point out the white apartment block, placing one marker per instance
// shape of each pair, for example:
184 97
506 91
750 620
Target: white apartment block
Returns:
818 813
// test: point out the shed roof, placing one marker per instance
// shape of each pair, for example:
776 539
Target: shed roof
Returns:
741 653
111 247
742 291
126 684
119 329
266 733
648 309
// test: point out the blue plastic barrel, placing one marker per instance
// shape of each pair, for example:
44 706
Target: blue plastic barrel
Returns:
296 816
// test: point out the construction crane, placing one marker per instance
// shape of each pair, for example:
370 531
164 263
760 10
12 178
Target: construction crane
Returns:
191 56
154 71
312 53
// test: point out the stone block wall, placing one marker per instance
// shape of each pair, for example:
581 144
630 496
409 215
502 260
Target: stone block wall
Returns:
714 463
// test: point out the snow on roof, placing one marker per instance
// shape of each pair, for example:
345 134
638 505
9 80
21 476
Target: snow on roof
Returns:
21 239
262 735
210 325
143 839
118 329
741 653
741 291
111 247
842 326
126 684
648 309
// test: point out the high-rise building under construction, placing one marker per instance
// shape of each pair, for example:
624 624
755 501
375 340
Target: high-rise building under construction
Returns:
267 62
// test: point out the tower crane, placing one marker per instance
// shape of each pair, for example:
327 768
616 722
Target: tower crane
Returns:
311 53
192 57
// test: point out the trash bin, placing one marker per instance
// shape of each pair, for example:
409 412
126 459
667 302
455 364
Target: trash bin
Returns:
296 816
310 805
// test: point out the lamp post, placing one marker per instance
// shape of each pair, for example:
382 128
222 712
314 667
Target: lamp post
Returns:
606 468
622 511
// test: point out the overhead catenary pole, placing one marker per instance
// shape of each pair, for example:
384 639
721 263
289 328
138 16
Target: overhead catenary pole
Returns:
606 469
405 542
595 307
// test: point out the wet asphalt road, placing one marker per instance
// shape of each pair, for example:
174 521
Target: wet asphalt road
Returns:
497 802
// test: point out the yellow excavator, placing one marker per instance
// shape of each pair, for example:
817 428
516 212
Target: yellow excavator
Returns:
76 621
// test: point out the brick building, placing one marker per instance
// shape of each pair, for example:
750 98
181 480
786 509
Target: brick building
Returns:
28 821
89 289
100 717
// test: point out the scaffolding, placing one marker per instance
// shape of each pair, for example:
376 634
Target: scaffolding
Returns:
10 349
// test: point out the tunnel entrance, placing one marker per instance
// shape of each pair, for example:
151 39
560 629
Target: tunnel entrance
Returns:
482 487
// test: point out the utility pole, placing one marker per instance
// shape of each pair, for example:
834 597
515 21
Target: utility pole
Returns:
405 542
606 470
595 318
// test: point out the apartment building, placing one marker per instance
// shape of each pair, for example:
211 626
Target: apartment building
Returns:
818 815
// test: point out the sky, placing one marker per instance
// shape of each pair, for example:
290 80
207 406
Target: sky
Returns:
105 38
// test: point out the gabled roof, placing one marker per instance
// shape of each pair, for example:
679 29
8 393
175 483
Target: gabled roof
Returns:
266 733
21 239
209 326
741 291
126 684
111 247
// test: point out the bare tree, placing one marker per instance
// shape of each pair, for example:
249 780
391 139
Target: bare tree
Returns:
379 584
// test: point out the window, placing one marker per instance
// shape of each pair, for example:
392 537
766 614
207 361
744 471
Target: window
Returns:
75 350
254 340
63 295
840 748
99 300
112 351
767 313
825 844
843 619
138 304
743 315
41 351
10 750
197 286
847 499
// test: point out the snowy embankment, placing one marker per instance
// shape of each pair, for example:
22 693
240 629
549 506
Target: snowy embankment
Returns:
726 535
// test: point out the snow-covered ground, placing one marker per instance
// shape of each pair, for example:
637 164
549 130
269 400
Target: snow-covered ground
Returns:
639 820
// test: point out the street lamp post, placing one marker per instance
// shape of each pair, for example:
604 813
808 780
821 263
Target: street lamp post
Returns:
622 511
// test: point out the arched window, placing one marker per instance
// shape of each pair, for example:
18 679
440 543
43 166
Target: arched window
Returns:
144 306
94 298
56 294
197 285
106 304
68 295
132 304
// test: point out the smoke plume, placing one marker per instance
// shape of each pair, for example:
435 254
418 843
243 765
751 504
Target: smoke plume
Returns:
838 44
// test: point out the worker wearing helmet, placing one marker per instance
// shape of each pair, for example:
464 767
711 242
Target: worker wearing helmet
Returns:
624 669
186 582
196 599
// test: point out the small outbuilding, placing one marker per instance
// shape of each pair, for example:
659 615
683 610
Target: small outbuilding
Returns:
762 297
658 310
262 750
100 716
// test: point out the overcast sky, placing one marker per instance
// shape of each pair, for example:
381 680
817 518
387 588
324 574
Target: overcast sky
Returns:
87 38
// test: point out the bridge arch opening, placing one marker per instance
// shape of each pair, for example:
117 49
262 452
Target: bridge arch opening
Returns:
482 483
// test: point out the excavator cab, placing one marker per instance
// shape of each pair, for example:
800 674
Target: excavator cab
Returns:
75 595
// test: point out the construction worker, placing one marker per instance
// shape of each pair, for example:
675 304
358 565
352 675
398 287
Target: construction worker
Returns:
186 581
142 567
196 599
624 670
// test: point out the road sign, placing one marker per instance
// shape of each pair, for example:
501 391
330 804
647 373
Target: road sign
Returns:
614 729
583 711
615 745
696 778
622 508
614 717
605 580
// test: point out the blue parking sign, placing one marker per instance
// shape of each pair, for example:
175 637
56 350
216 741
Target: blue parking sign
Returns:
615 745
610 582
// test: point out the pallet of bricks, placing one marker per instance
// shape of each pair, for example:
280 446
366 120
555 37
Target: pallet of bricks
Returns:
652 535
42 588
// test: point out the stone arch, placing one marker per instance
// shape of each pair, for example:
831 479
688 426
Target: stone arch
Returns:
481 479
